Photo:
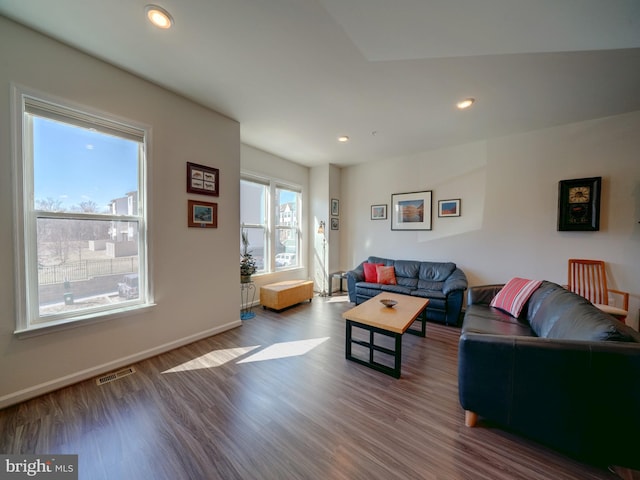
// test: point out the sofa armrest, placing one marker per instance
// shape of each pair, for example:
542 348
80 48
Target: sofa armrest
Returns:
576 396
483 294
354 276
456 281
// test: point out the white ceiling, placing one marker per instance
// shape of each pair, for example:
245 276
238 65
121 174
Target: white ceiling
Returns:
298 73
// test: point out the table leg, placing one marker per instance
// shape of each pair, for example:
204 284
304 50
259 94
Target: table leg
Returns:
422 318
398 356
370 345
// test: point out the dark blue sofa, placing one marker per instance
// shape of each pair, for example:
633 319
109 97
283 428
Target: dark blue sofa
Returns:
443 283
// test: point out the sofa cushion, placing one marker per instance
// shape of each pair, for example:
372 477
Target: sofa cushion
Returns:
430 285
420 292
407 268
386 275
558 313
436 271
370 272
586 322
547 305
492 321
407 282
537 298
512 297
396 289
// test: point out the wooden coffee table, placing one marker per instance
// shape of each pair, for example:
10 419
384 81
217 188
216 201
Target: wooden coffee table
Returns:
392 322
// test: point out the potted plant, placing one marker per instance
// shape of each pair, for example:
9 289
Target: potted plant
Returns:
247 262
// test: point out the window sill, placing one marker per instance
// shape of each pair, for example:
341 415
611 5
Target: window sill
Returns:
89 319
279 271
288 269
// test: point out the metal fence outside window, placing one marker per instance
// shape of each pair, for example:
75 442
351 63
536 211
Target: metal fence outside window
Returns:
86 269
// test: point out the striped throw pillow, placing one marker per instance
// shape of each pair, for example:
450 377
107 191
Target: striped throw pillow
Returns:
512 297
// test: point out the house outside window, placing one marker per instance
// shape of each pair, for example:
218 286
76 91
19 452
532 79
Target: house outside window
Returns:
287 206
270 214
81 221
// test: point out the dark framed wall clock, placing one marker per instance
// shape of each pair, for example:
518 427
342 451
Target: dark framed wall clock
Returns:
579 204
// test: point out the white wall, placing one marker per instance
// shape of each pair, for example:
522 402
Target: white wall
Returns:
509 192
319 200
335 180
195 277
261 163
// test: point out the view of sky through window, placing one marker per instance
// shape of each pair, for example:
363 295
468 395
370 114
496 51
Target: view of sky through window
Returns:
73 165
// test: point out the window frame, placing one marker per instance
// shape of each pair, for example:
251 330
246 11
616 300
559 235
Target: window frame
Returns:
264 227
272 225
28 319
281 227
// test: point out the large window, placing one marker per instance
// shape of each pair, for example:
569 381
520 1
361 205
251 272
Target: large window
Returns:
287 228
81 224
254 199
270 214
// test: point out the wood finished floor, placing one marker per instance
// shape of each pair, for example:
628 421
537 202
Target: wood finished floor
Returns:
234 406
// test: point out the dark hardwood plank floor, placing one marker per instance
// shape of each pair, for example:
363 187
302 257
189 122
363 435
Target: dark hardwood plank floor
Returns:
276 399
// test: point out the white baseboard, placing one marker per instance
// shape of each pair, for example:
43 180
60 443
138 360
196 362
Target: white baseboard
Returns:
55 384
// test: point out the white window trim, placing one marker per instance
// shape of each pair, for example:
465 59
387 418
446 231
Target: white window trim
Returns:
25 247
282 186
272 184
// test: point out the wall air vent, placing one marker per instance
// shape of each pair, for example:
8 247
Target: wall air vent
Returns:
112 377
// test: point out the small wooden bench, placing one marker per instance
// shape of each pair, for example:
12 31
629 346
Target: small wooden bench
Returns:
281 295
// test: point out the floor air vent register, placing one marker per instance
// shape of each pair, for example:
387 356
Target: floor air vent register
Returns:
112 377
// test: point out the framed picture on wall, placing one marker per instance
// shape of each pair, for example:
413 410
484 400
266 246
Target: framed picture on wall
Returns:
411 211
335 207
202 214
449 208
203 180
335 223
379 212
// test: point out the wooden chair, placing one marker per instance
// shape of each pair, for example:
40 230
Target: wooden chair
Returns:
588 279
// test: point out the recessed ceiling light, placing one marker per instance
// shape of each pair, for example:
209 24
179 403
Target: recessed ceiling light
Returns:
343 139
466 103
159 16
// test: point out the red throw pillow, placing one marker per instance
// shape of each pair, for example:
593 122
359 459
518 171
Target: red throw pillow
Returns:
386 275
512 297
370 274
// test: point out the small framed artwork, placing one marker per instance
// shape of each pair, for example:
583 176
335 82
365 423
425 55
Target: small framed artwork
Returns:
202 214
335 223
411 211
203 180
579 204
335 207
449 208
379 212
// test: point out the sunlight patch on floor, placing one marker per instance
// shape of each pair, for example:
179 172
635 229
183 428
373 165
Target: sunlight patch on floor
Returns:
217 358
285 349
337 299
212 359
